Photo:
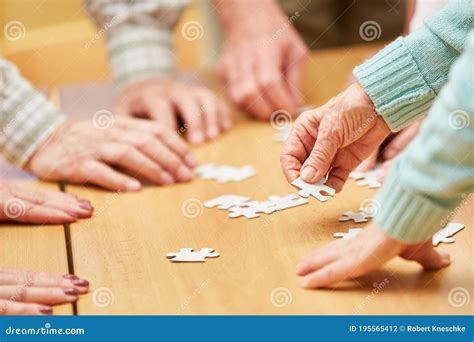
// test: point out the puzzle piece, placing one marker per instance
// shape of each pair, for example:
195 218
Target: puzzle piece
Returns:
369 178
445 234
252 209
226 201
225 173
288 201
188 255
368 212
283 133
314 190
356 217
352 233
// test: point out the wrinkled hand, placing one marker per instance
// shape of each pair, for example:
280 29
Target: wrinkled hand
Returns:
205 116
334 138
262 60
24 292
398 142
27 205
79 152
368 251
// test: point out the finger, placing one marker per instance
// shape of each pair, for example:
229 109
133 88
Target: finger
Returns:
159 159
41 279
427 256
210 110
54 199
142 125
315 261
299 145
8 307
174 142
344 162
320 159
369 163
162 111
244 91
295 61
331 273
273 87
135 162
36 214
100 174
190 111
338 177
40 295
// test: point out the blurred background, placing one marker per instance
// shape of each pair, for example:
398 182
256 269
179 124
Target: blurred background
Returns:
57 32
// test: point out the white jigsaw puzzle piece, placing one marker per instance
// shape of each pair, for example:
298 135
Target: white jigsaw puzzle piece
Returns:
252 209
226 201
352 233
283 134
314 190
356 217
225 173
188 255
369 178
368 212
288 201
445 234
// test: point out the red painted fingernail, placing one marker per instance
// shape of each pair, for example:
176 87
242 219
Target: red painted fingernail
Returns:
70 276
71 291
80 282
47 310
73 215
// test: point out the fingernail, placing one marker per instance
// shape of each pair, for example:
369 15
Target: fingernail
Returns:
184 173
133 185
308 173
167 178
70 276
71 291
46 310
85 204
304 282
80 282
196 138
191 160
212 132
72 214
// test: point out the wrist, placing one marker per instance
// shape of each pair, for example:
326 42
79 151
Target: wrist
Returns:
234 14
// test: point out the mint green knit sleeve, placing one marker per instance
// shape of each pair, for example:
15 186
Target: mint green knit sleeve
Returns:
435 174
405 77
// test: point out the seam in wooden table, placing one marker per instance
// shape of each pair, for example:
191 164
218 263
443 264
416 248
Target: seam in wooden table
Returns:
68 240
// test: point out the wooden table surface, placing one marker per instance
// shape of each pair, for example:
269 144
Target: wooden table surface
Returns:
121 250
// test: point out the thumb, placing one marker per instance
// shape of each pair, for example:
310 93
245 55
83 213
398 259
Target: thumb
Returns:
319 161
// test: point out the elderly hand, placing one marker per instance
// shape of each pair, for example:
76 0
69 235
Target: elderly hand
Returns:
368 251
22 204
205 116
81 152
262 59
333 138
24 292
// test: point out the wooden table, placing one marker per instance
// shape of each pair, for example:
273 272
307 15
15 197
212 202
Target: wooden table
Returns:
121 250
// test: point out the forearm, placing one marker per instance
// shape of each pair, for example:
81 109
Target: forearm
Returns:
405 77
27 118
139 37
235 13
434 174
